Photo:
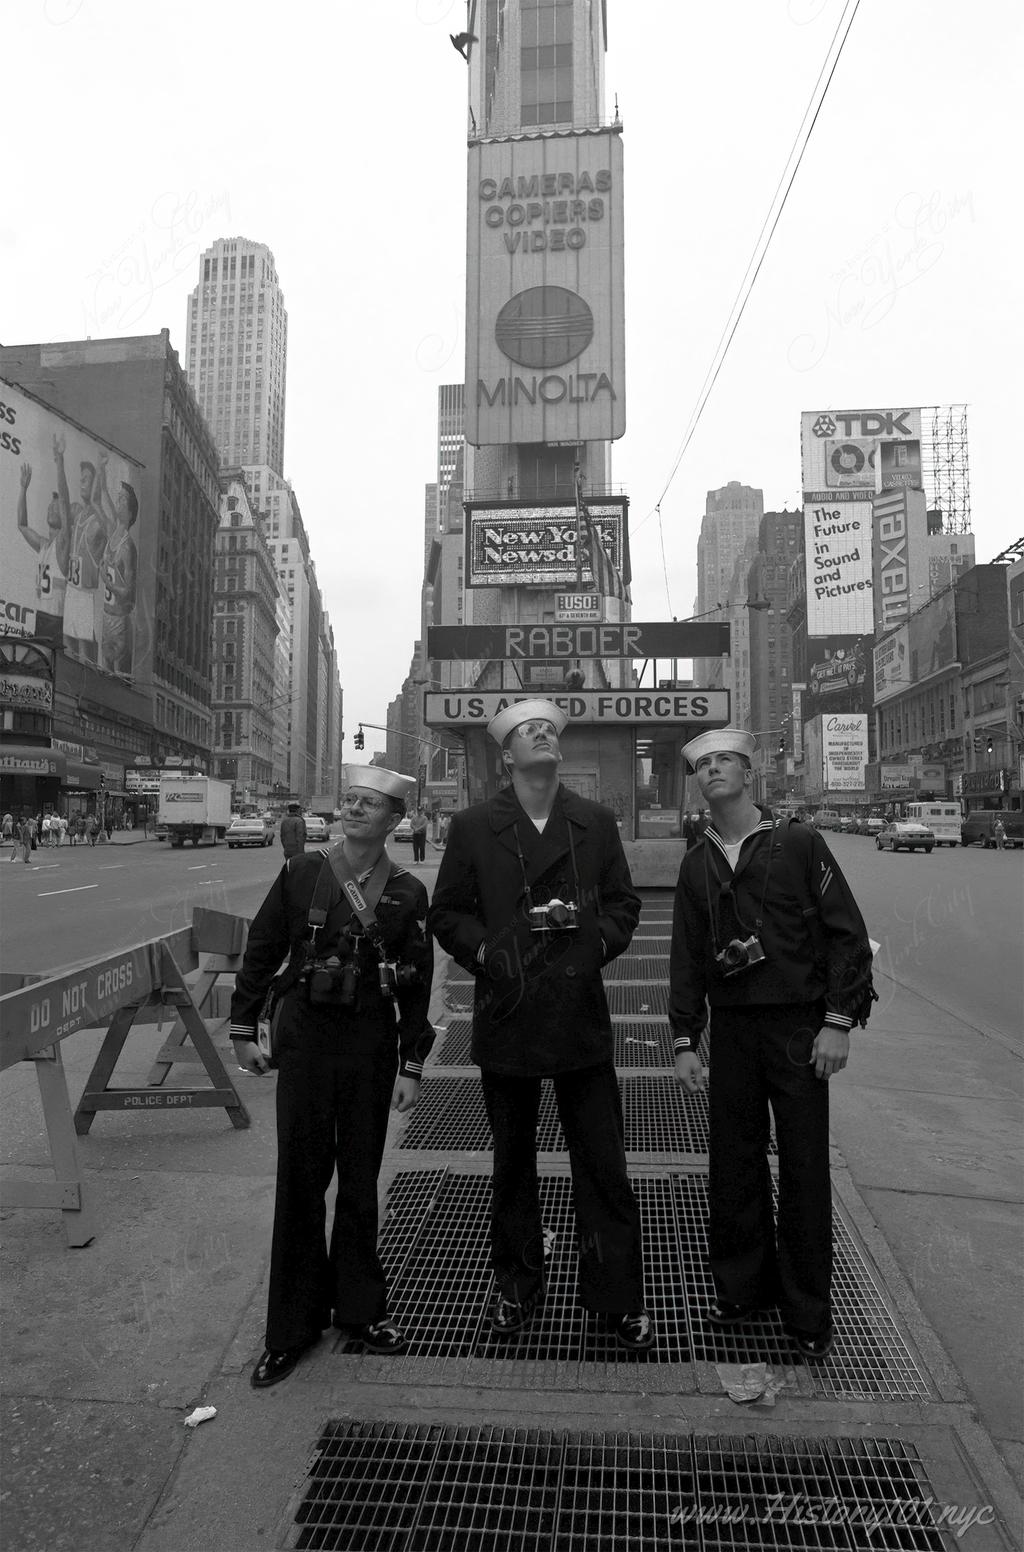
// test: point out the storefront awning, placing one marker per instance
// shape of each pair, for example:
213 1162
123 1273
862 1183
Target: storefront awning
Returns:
82 778
32 760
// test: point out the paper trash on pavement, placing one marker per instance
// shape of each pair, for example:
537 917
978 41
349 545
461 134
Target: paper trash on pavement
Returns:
200 1415
756 1383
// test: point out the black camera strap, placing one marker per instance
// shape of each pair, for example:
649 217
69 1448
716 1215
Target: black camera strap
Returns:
522 864
725 889
362 902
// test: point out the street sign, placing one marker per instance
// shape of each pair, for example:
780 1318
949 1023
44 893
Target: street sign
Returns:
451 643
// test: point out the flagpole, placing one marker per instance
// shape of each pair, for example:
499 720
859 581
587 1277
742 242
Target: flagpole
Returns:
576 482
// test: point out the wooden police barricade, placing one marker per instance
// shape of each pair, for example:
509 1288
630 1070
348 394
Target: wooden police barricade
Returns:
37 1017
219 937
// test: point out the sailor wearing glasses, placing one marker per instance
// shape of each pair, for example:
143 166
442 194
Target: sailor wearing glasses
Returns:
351 1036
533 897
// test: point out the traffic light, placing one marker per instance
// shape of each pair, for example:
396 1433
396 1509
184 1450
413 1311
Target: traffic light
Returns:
990 747
359 739
977 743
782 745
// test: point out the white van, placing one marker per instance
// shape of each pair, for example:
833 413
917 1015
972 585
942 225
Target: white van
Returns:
942 819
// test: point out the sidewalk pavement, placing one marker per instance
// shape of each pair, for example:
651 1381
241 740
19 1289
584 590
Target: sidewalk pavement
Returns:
108 1348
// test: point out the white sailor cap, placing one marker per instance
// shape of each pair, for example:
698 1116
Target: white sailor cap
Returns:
501 725
719 740
375 778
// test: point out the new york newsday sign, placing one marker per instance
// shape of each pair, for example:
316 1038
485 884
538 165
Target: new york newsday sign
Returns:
571 639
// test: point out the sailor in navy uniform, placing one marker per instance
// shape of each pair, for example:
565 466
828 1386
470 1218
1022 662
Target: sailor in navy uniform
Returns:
766 932
343 1060
539 856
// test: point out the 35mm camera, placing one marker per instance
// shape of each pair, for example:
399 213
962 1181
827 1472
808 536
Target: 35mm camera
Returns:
556 916
739 954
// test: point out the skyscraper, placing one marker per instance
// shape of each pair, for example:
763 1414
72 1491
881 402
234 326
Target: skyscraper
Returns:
237 351
732 516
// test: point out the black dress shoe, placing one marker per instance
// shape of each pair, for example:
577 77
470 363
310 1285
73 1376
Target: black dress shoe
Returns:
276 1364
814 1346
381 1336
723 1314
634 1330
507 1316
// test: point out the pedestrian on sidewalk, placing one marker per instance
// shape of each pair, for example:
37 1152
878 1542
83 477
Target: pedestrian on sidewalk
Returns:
293 832
999 835
23 832
353 1015
7 835
767 932
92 829
533 896
419 824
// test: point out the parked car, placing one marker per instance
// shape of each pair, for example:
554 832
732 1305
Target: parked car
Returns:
402 830
904 835
316 828
249 832
979 823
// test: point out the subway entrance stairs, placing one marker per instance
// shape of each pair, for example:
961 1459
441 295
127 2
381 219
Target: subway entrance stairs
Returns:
562 1440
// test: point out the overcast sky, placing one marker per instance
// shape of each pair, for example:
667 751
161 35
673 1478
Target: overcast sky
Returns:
137 134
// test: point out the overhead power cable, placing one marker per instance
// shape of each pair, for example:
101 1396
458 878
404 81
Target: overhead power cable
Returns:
761 246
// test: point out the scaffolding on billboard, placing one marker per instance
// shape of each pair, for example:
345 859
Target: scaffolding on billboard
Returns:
945 466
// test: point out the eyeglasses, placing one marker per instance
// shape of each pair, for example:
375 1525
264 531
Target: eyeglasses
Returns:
528 729
358 800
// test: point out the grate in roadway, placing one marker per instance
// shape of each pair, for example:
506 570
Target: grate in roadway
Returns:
659 1118
637 1044
870 1357
437 1256
637 967
651 999
435 1488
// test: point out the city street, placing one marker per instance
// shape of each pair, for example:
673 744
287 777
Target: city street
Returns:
109 1347
950 924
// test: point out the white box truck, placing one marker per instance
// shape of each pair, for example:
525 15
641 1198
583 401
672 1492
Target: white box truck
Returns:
194 808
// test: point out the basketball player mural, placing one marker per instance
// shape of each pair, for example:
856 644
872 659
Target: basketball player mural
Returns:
52 547
120 573
82 599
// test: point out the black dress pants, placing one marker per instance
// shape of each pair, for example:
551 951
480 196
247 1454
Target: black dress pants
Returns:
760 1057
333 1105
611 1277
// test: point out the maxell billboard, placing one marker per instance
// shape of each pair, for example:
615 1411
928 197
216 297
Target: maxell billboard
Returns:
507 544
545 329
842 457
900 555
68 555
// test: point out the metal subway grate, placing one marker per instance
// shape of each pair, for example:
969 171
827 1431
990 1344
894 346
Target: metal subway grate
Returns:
870 1357
439 1274
625 999
637 967
437 1257
659 1118
637 1044
437 1488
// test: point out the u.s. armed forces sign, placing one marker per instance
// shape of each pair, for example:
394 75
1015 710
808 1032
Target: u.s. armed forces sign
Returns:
608 708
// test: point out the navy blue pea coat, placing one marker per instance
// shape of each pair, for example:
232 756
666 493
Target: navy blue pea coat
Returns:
539 1005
